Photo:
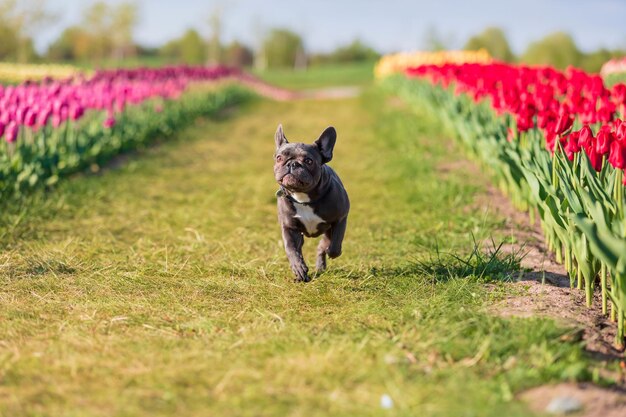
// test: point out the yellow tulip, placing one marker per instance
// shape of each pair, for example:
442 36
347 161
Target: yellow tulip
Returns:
16 73
395 63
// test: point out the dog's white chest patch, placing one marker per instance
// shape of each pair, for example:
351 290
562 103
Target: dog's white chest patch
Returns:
301 197
309 219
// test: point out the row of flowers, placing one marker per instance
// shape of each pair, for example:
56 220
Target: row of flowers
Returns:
398 63
35 105
17 73
56 127
557 143
549 100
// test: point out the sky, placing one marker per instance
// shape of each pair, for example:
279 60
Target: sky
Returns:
387 25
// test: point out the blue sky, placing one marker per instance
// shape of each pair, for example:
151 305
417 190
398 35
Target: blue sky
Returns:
388 25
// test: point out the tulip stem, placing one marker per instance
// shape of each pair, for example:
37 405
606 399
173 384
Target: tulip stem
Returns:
558 254
589 290
604 289
619 337
618 193
554 174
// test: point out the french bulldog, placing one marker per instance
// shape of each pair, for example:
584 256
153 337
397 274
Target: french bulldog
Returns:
312 201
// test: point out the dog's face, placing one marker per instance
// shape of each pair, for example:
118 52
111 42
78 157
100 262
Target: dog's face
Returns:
298 166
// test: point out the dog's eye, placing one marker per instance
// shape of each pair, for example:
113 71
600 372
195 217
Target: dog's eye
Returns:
308 161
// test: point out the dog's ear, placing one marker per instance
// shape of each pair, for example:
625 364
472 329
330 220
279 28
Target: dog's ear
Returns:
325 144
279 137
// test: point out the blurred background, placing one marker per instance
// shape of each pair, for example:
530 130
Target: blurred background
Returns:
274 36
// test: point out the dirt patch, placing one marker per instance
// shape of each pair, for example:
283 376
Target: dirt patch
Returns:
331 93
595 401
284 94
544 291
462 165
545 288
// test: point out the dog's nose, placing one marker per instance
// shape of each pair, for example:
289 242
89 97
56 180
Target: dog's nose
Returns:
293 165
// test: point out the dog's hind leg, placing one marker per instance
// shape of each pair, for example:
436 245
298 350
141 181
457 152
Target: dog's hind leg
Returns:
336 238
322 248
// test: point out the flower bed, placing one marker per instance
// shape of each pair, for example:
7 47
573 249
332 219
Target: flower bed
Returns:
556 141
54 128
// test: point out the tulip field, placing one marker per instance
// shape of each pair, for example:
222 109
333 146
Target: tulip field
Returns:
556 143
160 286
56 127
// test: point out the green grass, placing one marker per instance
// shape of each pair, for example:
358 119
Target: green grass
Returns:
349 74
132 62
161 287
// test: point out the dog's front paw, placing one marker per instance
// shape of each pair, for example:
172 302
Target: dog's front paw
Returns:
301 272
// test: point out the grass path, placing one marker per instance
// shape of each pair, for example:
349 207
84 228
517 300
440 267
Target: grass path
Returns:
161 287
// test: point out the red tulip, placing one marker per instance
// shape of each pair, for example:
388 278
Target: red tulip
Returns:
564 123
620 130
586 137
617 155
604 139
594 157
571 147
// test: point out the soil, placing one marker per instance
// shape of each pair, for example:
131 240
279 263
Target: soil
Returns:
544 290
283 94
545 285
596 401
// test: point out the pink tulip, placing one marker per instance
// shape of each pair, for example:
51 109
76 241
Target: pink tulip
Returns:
11 132
34 105
109 122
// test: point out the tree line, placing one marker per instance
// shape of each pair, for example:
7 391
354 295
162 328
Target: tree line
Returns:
557 49
106 33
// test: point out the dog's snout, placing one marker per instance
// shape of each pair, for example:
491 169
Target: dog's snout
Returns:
293 165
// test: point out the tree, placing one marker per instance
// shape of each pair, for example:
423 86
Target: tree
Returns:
97 22
355 51
73 43
190 48
123 21
110 29
283 48
494 40
23 19
10 42
214 50
238 55
557 49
